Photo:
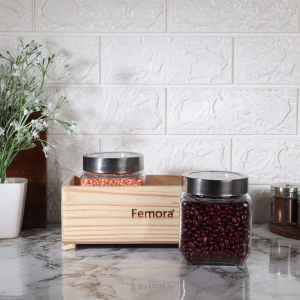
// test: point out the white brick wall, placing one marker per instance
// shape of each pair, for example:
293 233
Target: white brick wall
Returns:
191 84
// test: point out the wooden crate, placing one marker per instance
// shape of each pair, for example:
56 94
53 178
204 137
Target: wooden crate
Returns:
121 215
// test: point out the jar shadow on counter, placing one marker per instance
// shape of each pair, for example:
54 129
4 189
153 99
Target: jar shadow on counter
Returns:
217 282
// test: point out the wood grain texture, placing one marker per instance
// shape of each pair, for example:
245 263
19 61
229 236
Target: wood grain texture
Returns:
31 164
68 247
291 232
121 215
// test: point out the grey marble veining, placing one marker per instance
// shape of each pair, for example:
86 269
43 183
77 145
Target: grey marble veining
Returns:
34 267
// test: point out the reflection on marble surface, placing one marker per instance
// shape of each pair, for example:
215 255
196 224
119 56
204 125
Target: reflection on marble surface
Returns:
284 260
34 267
214 283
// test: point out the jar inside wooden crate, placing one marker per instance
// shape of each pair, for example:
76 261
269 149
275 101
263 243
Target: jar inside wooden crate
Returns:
113 169
215 218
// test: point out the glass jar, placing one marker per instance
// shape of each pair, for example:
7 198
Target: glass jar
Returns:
298 209
284 203
215 218
113 169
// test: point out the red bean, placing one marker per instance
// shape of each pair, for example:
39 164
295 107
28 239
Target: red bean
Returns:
196 224
240 261
217 207
235 247
221 229
205 253
213 221
239 241
192 245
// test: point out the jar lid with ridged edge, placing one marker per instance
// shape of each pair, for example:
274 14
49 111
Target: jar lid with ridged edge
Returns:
215 183
113 162
285 190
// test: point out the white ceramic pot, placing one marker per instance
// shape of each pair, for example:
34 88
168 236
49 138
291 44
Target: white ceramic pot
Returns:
12 203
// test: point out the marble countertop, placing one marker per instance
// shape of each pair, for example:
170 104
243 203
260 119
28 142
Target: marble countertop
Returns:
34 267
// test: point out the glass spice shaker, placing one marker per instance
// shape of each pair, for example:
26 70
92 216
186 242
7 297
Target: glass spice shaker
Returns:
284 203
298 209
113 169
215 218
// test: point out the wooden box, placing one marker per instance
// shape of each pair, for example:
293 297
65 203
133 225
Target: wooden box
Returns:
121 215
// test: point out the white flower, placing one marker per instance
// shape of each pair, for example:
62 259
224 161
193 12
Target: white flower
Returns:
15 124
36 101
50 106
46 149
72 127
15 73
26 93
26 111
15 70
2 142
39 126
68 73
2 131
35 135
19 136
37 60
45 124
19 40
22 52
62 93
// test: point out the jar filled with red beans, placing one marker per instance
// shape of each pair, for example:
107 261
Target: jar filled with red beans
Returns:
215 218
113 169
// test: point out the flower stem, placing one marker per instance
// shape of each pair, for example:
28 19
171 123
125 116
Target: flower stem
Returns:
2 171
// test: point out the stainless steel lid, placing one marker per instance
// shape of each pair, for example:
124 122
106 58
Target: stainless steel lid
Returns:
113 162
285 190
215 183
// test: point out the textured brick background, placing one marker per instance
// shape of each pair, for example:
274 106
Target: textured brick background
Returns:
193 84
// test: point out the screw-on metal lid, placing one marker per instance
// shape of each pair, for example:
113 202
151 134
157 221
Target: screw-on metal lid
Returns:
285 190
113 162
215 183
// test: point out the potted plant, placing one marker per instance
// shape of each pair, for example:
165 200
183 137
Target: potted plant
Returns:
24 113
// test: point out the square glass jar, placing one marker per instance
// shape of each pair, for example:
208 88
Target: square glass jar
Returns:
215 218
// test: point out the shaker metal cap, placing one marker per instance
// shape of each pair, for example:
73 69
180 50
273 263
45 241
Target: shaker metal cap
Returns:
285 190
113 162
215 183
